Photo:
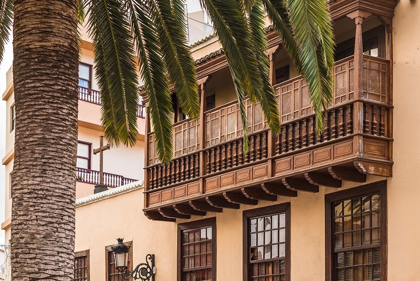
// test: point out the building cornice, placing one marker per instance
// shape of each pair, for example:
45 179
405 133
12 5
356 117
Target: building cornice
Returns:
6 224
8 92
109 194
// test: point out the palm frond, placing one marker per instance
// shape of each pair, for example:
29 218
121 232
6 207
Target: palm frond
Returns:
312 29
115 70
278 13
80 12
154 75
6 19
176 54
266 95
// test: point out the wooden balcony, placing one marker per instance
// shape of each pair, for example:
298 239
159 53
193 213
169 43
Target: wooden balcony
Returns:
356 141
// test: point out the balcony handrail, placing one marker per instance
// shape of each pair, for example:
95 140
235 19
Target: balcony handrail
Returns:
94 96
92 177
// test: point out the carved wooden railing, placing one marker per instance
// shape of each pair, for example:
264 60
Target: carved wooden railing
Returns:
92 177
223 143
93 96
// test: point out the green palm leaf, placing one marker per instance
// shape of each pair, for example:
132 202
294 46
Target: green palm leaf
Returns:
313 32
180 65
154 75
266 95
115 69
6 19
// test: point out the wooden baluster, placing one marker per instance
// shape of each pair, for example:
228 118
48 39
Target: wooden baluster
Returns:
375 115
159 175
264 145
168 173
164 175
283 139
197 165
234 155
218 158
213 160
290 143
304 132
252 149
326 130
178 170
246 155
333 124
278 143
311 132
155 176
241 153
341 122
229 155
151 183
367 123
382 122
173 172
208 164
183 168
349 121
192 167
297 135
223 157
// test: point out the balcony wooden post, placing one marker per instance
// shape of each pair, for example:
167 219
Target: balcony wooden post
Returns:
358 114
202 87
271 139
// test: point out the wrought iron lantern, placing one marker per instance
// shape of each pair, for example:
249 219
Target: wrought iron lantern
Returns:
143 271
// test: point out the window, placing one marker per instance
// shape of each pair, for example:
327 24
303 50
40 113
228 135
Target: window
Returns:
282 74
111 272
210 102
267 243
83 154
85 75
197 250
12 117
81 266
356 229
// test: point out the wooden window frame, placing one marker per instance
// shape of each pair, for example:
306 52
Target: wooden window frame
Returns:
381 187
84 253
12 117
197 224
90 74
280 208
90 153
108 249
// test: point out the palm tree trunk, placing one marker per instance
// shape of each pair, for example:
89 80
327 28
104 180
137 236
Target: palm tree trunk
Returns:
45 84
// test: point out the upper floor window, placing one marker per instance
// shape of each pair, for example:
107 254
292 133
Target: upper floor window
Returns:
112 274
81 266
83 154
85 75
357 233
267 242
12 117
210 102
197 250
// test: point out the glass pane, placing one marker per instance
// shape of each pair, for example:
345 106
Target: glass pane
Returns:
338 241
84 72
209 233
356 222
83 150
275 251
260 224
253 225
203 234
267 252
282 220
347 223
338 209
82 163
275 221
347 207
338 225
275 236
260 238
282 235
282 250
347 239
267 237
356 206
253 239
83 83
375 219
375 202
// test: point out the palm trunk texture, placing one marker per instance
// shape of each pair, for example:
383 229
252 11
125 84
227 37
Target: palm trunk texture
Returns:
45 72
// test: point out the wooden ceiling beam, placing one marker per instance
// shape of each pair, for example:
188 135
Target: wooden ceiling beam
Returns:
347 174
186 209
322 179
203 206
278 189
257 193
221 202
156 216
300 184
169 212
239 198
